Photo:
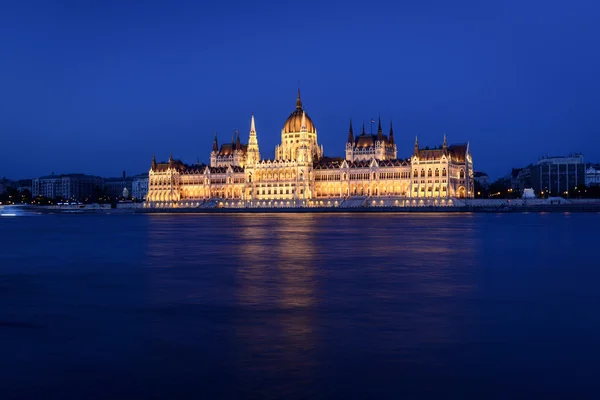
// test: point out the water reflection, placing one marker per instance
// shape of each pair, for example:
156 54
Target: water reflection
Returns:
276 277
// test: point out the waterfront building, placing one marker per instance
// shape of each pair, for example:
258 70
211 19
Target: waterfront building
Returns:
592 175
301 175
481 178
113 187
67 186
139 187
553 176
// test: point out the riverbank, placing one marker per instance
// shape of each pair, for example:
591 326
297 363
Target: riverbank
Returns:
559 208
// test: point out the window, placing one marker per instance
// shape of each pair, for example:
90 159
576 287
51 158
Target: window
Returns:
437 172
444 172
422 173
462 174
429 173
416 174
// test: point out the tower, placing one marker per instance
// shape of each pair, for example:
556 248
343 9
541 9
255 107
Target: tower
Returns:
304 159
350 143
394 149
214 152
253 150
379 143
416 151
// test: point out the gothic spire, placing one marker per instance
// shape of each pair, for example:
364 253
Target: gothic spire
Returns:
215 144
298 100
363 129
252 126
153 161
445 142
391 133
238 145
416 145
379 130
350 133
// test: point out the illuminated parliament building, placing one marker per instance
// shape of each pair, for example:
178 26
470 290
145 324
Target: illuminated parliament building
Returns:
300 175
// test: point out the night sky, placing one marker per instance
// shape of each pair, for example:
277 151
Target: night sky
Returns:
99 86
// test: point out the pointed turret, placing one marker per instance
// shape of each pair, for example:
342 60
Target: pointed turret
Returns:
252 126
215 144
298 100
363 129
391 134
379 130
445 145
350 133
153 162
171 161
238 143
253 152
233 140
416 145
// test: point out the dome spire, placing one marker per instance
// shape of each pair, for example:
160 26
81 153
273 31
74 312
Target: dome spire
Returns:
298 100
363 129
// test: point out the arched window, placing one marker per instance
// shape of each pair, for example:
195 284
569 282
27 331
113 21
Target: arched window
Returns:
437 172
462 174
422 173
444 172
416 174
429 173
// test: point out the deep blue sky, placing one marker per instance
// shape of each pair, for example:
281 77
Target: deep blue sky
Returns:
99 86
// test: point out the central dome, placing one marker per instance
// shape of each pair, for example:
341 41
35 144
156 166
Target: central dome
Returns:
294 122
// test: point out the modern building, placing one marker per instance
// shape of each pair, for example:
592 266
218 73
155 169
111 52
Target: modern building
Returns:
481 178
139 187
592 175
554 176
300 173
67 186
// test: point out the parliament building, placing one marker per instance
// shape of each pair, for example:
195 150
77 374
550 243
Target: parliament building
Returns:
300 175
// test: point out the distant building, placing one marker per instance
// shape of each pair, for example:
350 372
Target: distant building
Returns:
23 184
139 187
2 188
67 186
592 175
114 186
553 176
482 178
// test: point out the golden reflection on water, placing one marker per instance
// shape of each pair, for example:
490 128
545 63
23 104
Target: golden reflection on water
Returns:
276 276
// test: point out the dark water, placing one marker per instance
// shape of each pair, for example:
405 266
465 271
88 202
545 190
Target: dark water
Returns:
300 306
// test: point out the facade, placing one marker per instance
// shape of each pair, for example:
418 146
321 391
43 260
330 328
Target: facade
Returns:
301 175
114 187
592 175
68 186
481 178
553 176
139 187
